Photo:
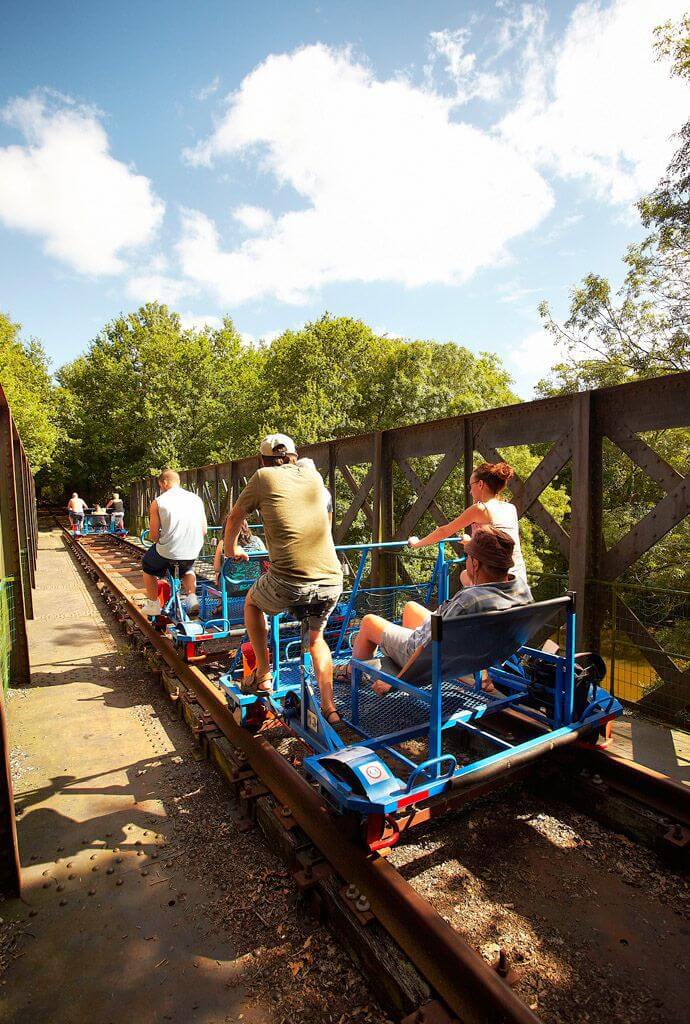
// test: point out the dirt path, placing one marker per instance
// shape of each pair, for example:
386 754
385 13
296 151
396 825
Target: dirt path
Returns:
142 900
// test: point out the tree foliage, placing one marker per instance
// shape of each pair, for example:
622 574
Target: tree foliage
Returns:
25 378
149 393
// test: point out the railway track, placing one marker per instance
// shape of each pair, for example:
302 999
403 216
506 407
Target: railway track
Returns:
462 984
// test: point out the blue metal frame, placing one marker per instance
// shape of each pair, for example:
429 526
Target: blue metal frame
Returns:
427 711
433 775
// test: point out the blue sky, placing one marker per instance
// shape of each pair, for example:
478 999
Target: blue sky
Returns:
436 168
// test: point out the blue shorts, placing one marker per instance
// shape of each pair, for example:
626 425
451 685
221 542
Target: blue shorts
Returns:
155 565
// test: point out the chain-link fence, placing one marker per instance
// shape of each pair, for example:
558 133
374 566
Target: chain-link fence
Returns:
644 638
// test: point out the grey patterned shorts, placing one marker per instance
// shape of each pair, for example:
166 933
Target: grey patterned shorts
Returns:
398 643
273 595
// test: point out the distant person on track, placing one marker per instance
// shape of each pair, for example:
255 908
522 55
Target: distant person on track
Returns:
116 507
76 507
487 509
304 567
177 527
98 519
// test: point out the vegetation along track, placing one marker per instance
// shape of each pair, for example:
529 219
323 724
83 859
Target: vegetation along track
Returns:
581 910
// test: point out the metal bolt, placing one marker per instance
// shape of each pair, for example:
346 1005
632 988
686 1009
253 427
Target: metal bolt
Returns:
92 892
677 832
95 867
32 913
597 780
46 885
119 882
70 877
70 864
352 892
502 965
286 812
92 857
60 888
46 872
63 903
118 860
110 871
362 904
144 874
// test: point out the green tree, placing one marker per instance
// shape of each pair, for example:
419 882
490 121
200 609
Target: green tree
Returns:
149 393
25 378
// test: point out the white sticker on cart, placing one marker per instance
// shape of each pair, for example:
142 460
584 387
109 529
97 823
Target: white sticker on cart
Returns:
375 772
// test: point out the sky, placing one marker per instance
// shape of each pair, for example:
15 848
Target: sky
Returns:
434 168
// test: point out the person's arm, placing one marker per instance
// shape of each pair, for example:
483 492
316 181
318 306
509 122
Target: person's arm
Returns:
154 521
108 504
218 558
233 524
473 514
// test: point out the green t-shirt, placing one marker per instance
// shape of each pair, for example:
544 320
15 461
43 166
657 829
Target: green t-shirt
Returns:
290 500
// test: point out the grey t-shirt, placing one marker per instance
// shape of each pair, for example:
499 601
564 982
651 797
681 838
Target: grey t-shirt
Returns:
486 597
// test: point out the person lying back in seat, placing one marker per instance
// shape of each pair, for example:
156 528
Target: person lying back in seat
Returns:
492 587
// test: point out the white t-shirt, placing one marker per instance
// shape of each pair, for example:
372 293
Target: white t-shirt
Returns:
77 505
504 517
183 524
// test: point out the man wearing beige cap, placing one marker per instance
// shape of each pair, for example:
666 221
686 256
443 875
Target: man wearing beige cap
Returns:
492 588
304 568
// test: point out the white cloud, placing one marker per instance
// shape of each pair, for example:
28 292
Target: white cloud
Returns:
393 190
191 321
531 360
461 67
208 90
64 186
253 218
598 106
154 287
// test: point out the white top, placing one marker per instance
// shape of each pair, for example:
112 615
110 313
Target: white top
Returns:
183 524
504 517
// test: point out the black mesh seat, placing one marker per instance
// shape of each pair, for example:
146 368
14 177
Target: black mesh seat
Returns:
470 643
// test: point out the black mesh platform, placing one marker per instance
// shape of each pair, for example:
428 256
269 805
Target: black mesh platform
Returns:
396 711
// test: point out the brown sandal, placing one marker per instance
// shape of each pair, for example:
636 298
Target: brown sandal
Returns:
250 684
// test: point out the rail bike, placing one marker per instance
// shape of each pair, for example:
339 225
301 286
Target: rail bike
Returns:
391 752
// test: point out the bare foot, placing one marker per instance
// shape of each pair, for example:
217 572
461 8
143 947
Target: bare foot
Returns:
381 688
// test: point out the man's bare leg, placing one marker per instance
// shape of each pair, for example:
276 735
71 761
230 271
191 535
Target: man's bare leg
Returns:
415 614
323 669
150 586
188 582
367 640
255 624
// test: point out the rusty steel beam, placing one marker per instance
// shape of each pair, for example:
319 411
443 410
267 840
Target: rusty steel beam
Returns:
467 984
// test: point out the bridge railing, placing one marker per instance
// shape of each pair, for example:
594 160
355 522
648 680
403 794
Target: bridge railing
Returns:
570 437
18 547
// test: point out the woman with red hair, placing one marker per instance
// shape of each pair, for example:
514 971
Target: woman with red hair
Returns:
487 509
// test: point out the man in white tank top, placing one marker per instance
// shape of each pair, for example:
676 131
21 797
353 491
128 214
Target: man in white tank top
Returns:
177 526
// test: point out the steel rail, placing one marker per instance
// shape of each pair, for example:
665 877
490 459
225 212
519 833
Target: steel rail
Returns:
461 977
